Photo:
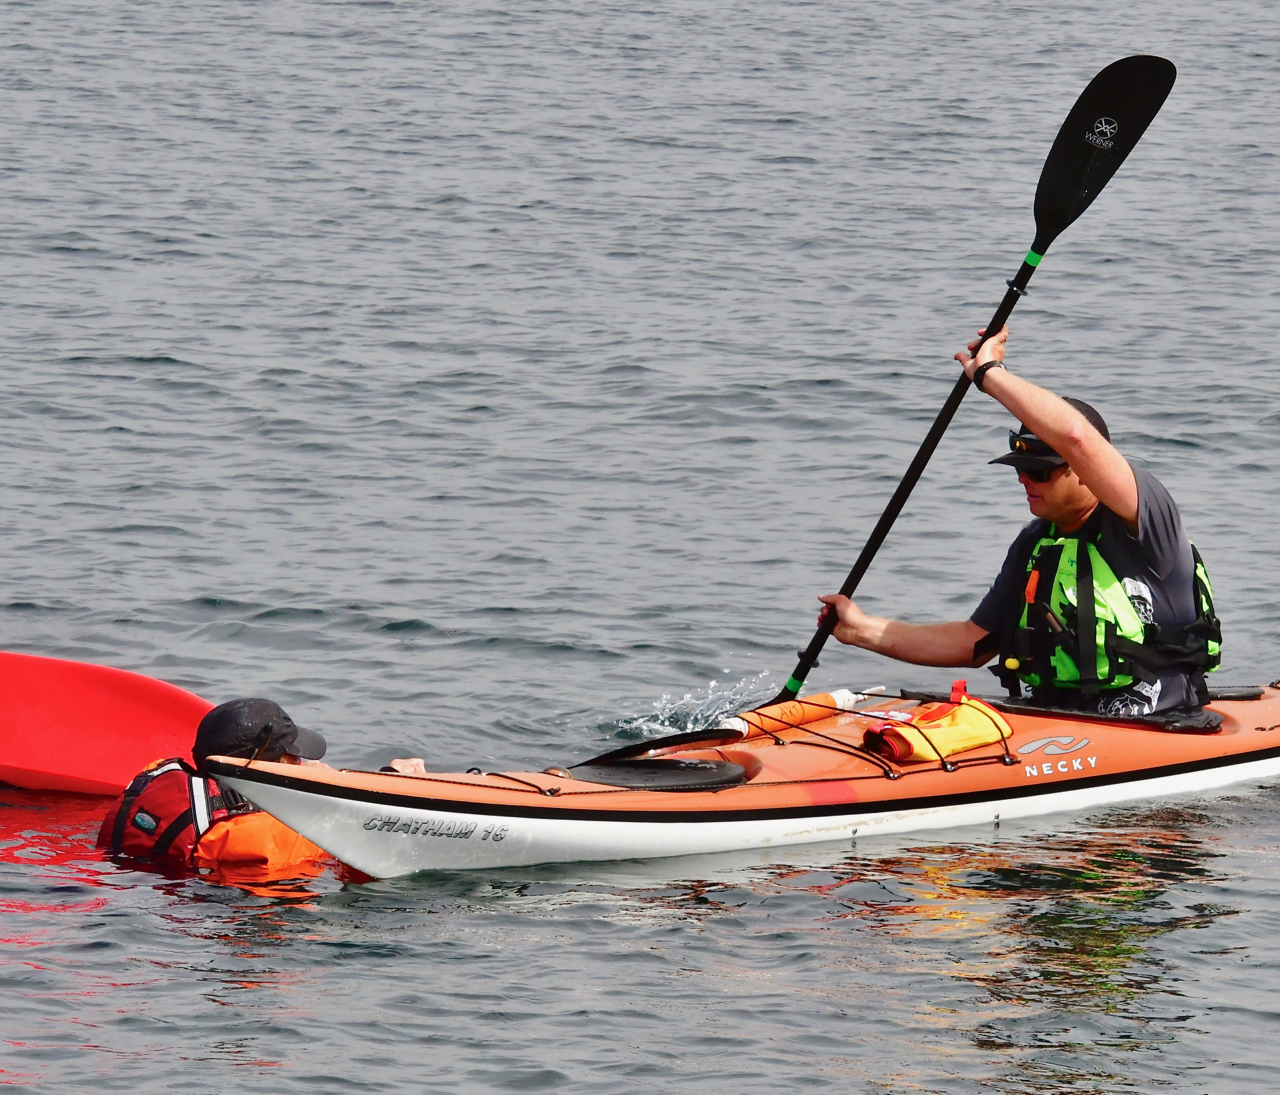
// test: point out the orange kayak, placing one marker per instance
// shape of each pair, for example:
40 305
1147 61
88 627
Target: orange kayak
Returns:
825 768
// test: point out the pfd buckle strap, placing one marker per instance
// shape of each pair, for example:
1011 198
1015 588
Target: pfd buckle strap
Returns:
171 833
137 785
1086 623
1162 657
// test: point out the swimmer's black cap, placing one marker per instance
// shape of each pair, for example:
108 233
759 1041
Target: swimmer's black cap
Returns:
231 730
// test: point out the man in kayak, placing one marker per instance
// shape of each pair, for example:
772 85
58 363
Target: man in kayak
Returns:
1140 641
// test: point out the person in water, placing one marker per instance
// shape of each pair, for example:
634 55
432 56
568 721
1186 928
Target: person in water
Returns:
1144 637
180 817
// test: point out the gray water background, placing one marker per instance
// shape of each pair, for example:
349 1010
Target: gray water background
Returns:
497 384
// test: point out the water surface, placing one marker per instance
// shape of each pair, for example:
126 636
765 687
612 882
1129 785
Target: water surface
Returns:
492 384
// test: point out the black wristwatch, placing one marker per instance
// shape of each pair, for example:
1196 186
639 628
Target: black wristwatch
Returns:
981 371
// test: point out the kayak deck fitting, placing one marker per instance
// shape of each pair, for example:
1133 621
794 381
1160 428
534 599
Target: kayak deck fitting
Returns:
788 774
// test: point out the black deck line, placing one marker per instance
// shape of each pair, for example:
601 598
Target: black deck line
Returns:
1046 786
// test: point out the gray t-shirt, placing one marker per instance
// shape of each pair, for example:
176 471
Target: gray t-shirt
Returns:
1155 567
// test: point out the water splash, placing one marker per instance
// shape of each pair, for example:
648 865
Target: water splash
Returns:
694 710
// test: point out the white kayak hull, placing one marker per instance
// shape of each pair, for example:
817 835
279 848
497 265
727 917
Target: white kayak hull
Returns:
388 842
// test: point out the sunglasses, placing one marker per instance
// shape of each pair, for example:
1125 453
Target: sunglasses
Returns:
1039 475
1033 446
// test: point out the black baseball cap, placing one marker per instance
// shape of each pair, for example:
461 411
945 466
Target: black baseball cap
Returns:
1028 453
231 730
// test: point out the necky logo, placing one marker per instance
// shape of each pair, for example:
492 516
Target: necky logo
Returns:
1104 129
1056 746
1053 747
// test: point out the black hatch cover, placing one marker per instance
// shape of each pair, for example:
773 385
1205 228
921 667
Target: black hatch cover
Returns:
664 774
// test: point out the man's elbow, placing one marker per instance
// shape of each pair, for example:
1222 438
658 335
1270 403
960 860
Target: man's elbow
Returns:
1079 440
1082 444
982 647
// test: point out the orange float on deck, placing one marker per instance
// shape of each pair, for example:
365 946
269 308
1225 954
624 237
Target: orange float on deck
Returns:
798 712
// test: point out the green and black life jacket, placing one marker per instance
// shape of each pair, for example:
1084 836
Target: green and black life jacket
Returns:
1078 630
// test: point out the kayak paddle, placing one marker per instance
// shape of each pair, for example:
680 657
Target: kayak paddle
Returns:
1108 119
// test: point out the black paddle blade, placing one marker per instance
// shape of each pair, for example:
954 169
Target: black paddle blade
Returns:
1109 118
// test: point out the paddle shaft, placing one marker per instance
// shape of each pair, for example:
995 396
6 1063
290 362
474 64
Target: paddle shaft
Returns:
1104 125
809 656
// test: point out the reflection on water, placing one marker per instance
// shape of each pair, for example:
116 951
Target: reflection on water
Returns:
57 834
1025 960
1080 924
1054 930
47 828
1057 931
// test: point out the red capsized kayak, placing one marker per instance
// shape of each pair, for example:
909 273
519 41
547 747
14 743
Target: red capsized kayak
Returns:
74 726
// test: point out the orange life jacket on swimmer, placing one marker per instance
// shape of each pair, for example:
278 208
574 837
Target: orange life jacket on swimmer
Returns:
172 816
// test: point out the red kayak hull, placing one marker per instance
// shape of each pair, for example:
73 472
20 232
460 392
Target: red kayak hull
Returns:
72 726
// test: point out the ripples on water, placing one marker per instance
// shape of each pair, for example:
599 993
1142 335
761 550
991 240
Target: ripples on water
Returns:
470 380
1118 951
